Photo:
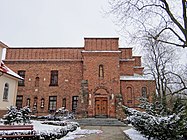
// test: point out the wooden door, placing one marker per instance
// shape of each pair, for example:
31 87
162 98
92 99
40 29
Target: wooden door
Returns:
101 106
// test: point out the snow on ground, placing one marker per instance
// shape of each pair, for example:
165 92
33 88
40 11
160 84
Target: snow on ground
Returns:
134 135
45 128
80 133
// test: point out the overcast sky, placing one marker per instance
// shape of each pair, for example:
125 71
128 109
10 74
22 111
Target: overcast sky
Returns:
53 22
56 23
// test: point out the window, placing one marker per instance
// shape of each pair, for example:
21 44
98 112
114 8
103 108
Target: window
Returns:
101 71
35 103
54 78
129 96
52 103
28 102
144 92
64 102
22 74
42 103
19 101
74 103
5 94
37 79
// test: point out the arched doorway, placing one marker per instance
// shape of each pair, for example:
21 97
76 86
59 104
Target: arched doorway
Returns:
101 103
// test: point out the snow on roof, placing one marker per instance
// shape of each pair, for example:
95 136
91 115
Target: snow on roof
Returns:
135 77
128 59
8 71
102 51
3 45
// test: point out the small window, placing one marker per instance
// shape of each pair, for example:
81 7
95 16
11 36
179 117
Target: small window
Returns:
35 103
28 102
5 94
37 79
144 92
54 78
101 71
52 103
22 74
64 102
74 103
19 101
129 97
42 103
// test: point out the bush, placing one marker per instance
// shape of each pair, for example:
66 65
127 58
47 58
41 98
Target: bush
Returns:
17 116
153 124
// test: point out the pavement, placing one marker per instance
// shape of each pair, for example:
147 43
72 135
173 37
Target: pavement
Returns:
109 133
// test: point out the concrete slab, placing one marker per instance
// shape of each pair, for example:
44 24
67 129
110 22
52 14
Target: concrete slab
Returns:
109 133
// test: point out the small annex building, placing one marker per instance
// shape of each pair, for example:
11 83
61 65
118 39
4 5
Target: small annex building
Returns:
90 80
8 84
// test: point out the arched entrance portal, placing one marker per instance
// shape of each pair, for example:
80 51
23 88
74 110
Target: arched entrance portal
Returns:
101 103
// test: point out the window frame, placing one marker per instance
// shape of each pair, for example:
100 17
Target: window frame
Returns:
19 99
28 102
52 103
22 74
54 78
101 71
144 92
37 81
64 102
74 103
42 103
5 92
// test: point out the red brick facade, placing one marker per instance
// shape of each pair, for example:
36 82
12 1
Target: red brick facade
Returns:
95 75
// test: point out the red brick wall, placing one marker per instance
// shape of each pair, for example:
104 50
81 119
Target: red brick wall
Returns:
75 65
69 80
110 83
126 53
99 44
137 60
43 53
137 90
127 67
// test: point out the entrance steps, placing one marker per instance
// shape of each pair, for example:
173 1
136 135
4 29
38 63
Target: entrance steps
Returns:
100 122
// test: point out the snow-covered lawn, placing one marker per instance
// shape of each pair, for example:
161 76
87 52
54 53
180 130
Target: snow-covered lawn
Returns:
134 135
49 129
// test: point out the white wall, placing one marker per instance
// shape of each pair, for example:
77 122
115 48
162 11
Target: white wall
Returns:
12 92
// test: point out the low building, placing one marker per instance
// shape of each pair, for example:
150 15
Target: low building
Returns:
89 80
8 84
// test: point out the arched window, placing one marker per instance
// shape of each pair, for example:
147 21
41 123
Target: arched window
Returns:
64 102
37 79
28 102
5 94
144 92
129 96
42 103
101 71
35 103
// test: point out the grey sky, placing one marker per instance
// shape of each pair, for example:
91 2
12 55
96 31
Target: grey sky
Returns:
56 23
53 22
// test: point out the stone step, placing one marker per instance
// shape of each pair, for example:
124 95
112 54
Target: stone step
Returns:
100 122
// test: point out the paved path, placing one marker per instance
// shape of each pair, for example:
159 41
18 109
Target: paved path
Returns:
109 133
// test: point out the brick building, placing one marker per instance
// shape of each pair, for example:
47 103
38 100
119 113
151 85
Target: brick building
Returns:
89 80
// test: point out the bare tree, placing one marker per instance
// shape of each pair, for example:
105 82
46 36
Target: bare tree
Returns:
161 63
144 16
